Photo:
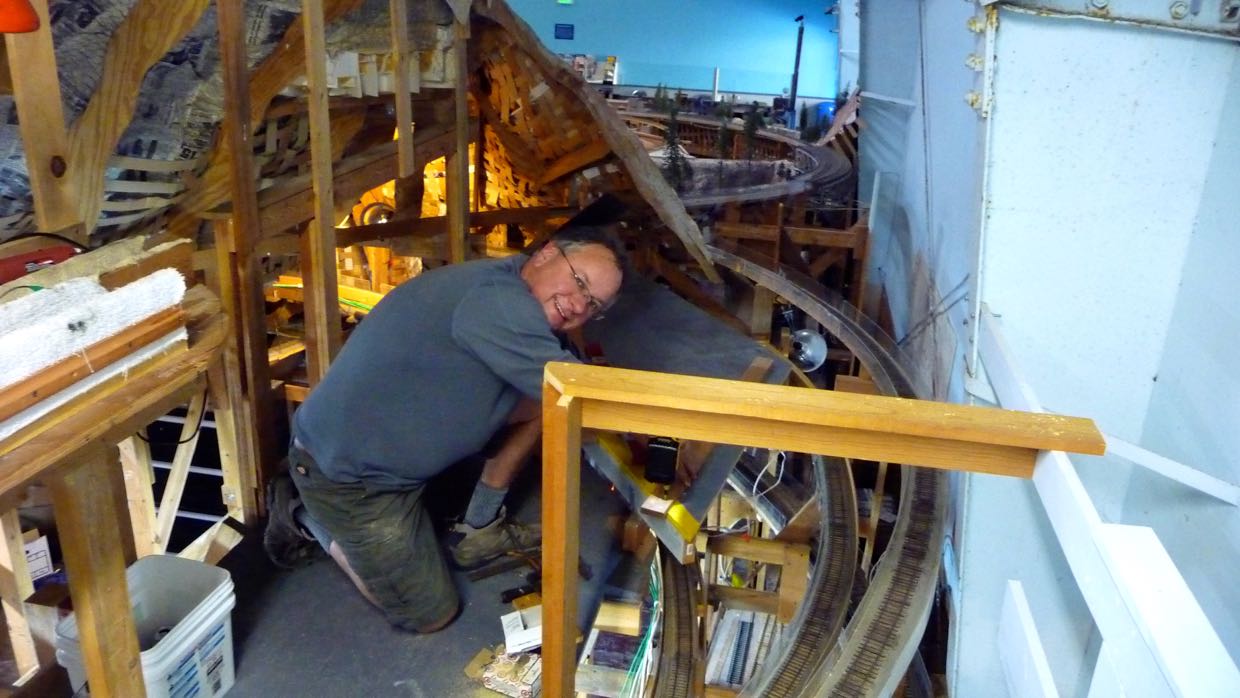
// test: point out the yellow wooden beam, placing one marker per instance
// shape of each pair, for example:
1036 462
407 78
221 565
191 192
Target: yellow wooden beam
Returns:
943 428
561 512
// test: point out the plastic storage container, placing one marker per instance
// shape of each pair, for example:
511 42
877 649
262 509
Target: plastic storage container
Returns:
182 610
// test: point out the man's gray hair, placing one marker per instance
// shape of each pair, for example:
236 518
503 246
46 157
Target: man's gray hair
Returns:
575 238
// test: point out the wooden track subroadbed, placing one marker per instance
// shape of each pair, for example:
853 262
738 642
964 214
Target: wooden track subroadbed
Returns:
870 654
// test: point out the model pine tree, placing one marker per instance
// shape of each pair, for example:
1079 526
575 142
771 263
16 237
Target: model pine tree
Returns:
676 167
723 145
753 121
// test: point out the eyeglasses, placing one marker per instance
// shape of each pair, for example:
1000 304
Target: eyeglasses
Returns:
596 306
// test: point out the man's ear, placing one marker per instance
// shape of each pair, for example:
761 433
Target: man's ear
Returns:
544 254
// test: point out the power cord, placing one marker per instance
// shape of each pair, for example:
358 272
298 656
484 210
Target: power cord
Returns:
781 458
15 288
187 439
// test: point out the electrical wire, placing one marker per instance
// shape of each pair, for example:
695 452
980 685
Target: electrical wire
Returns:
191 437
781 458
77 245
32 288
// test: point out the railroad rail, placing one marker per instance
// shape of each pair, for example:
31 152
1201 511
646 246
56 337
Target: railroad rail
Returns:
870 654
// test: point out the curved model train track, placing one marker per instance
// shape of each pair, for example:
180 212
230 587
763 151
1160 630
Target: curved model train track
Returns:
868 656
820 167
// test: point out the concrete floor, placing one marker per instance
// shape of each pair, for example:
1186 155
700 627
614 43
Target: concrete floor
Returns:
307 632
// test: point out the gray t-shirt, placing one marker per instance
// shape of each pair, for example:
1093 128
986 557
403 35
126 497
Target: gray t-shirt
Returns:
430 375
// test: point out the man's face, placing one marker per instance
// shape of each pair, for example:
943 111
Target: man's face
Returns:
571 286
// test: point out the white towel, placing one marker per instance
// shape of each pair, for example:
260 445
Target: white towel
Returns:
44 328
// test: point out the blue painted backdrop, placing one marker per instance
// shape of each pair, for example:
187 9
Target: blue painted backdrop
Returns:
680 43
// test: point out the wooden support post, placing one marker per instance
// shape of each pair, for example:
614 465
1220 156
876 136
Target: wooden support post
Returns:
235 240
318 259
214 543
240 488
804 524
139 479
561 525
149 31
458 159
480 168
876 509
41 121
760 312
179 473
85 497
399 11
861 252
15 587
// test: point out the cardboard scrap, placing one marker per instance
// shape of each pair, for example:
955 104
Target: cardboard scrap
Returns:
516 675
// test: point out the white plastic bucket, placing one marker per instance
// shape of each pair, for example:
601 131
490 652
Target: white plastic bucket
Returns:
182 611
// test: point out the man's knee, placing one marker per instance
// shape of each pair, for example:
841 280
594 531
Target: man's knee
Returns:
420 621
526 410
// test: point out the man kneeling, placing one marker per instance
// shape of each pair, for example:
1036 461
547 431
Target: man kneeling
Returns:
440 365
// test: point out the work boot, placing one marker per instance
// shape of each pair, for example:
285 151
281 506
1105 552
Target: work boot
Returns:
286 544
473 547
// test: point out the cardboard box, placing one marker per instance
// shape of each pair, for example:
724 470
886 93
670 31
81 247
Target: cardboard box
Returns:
38 555
522 629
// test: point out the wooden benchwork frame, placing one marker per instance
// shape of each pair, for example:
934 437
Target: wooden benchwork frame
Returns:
915 432
72 451
793 558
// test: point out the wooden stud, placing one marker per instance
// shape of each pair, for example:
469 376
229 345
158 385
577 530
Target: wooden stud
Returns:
803 525
240 488
278 69
214 543
318 259
826 260
760 312
561 511
458 159
291 203
41 120
876 509
179 472
480 167
15 587
136 467
84 498
149 31
239 236
399 12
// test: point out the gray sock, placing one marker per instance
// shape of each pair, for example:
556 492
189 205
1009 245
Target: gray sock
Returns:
485 504
307 522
